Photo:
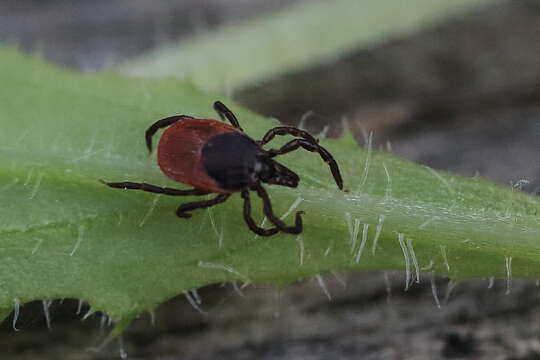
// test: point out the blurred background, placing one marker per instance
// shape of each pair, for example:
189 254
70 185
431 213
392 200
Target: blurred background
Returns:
455 87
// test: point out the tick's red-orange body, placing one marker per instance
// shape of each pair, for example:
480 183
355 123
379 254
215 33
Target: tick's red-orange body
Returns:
179 152
215 157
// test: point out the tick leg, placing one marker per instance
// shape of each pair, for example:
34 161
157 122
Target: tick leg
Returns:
161 124
249 220
325 155
287 130
267 209
182 209
225 112
154 189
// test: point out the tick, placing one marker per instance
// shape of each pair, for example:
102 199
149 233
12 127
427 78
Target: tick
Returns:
215 157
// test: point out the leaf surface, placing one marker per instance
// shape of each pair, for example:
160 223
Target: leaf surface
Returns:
65 235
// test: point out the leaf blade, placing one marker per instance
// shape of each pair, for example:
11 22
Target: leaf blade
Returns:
64 234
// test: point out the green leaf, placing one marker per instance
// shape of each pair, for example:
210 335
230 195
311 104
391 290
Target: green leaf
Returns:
65 235
303 35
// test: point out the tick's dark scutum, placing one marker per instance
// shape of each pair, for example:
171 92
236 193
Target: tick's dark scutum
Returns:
230 159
